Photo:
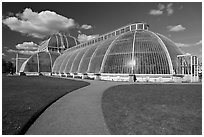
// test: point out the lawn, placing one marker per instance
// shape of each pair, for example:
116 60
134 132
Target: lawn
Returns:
25 98
153 109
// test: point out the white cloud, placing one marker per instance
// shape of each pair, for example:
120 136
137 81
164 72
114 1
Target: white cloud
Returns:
12 51
38 25
169 9
155 12
161 6
85 26
25 52
27 46
176 28
189 45
83 37
79 31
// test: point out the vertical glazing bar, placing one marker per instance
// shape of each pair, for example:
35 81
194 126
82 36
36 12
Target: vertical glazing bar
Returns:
62 43
191 69
197 69
66 41
133 51
50 62
38 63
16 62
57 44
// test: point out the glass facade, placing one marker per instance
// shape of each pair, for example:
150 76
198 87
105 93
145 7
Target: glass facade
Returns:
40 62
131 49
123 52
172 49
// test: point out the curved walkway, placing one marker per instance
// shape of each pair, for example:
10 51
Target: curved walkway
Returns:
77 113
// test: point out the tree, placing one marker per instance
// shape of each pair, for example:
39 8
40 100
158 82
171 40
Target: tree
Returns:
7 66
10 67
4 66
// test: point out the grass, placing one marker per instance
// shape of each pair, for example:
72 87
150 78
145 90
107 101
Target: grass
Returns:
153 109
25 98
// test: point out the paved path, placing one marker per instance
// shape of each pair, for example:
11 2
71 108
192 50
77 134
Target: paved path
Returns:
77 113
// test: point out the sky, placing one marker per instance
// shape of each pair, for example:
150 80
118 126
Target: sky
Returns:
25 25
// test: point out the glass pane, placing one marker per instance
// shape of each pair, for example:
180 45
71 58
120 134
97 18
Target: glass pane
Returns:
20 63
149 56
54 56
95 63
58 63
172 49
70 61
32 64
53 42
133 27
65 41
118 63
119 58
140 26
124 44
59 41
85 61
64 62
71 41
44 62
77 60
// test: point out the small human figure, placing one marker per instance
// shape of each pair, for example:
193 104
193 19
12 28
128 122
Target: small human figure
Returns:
134 78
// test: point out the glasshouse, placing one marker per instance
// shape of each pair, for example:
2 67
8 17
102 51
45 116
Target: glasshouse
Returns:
46 55
132 50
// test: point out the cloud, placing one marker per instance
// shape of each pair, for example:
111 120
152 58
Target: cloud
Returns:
5 47
169 9
83 37
27 46
85 26
181 7
40 24
12 51
155 12
176 28
25 52
189 45
161 8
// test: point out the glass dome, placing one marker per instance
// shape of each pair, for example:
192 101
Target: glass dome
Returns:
48 51
60 42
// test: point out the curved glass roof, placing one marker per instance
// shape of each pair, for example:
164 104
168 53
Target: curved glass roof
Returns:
129 50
